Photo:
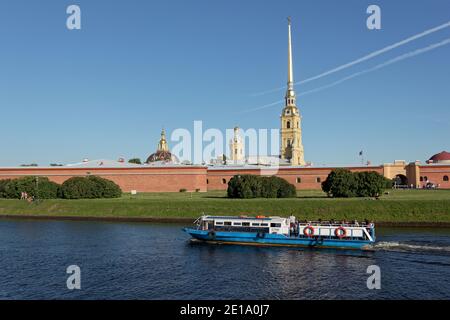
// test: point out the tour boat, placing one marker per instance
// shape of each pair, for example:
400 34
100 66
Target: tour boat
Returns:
278 231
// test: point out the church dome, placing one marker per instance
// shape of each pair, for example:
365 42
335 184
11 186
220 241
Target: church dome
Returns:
162 153
443 157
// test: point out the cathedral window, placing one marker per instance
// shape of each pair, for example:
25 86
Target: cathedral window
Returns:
224 181
299 180
318 180
288 124
445 178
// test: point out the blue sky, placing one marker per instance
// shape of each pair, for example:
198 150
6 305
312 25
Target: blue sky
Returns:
106 90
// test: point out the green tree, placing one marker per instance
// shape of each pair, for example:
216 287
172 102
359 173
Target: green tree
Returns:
253 186
89 188
340 183
3 190
105 188
135 160
244 187
38 187
269 187
370 184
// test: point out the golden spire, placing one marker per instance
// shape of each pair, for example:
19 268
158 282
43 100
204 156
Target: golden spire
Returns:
162 145
290 93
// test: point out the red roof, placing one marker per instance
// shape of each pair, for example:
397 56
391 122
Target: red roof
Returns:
443 156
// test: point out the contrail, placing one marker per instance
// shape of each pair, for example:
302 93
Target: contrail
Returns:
263 107
359 73
364 58
382 65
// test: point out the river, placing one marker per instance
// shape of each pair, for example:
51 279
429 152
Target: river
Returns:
157 261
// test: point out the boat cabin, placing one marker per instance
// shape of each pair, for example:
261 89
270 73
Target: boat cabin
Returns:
272 225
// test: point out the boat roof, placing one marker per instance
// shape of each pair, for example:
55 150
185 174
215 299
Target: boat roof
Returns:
241 218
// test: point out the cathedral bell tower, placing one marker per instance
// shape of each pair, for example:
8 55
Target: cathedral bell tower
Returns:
236 146
291 130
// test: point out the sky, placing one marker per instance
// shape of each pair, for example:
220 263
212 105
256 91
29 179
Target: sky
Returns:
107 90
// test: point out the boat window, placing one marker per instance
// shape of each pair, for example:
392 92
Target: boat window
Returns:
246 224
219 222
227 223
236 224
255 224
264 225
275 225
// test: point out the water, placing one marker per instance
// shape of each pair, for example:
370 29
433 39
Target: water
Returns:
156 261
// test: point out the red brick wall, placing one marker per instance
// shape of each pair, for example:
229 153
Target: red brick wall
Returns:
142 179
172 179
435 174
308 176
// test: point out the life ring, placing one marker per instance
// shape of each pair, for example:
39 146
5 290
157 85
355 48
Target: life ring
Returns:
212 234
308 231
340 234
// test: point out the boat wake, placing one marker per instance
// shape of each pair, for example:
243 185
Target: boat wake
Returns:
407 247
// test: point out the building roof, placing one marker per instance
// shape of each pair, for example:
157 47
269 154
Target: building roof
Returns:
102 163
442 156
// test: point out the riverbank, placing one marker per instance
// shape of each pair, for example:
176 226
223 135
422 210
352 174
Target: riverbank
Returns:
399 207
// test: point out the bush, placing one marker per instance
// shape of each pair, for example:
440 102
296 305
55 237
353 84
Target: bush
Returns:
37 187
105 188
89 188
3 184
285 189
369 184
342 183
135 161
78 188
269 187
183 190
388 183
252 186
244 187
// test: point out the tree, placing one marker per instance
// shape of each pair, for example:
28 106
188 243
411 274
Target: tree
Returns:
340 183
38 187
89 188
269 187
244 187
78 188
252 186
105 188
3 184
135 160
370 184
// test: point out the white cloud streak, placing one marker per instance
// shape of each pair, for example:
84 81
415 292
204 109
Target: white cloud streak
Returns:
360 73
364 58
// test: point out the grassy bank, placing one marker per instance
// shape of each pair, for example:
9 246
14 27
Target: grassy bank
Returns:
432 206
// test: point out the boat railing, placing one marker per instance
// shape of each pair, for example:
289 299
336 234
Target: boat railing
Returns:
335 224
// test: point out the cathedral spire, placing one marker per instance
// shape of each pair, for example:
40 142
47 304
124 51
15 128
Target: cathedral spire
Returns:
162 145
290 93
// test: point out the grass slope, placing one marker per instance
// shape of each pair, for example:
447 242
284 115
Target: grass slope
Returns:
399 206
